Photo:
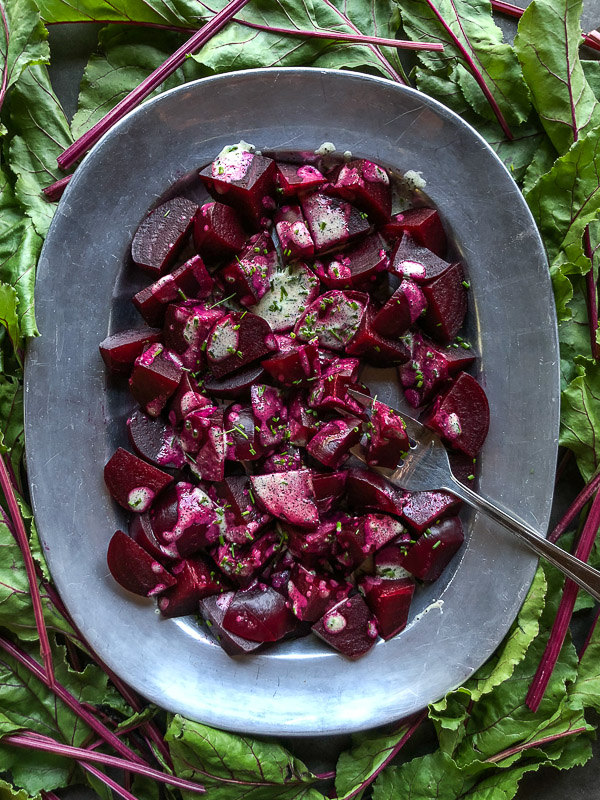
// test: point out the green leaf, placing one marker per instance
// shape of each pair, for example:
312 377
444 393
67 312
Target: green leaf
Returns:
580 416
8 314
42 132
573 334
591 70
585 691
26 36
565 200
563 292
431 777
470 22
12 435
232 766
158 12
541 163
547 45
8 792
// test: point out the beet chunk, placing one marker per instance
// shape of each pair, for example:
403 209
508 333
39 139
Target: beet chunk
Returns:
296 367
289 496
432 552
140 530
411 260
243 440
236 340
133 483
446 304
422 509
187 324
390 601
366 489
329 488
218 232
293 233
120 350
312 594
388 439
403 308
331 445
375 348
213 610
429 367
333 318
292 178
196 579
235 384
155 377
354 266
183 519
367 186
155 440
135 569
242 516
461 415
259 614
189 280
249 274
349 627
161 235
242 564
332 222
424 225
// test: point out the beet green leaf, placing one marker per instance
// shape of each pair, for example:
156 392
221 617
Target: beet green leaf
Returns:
180 13
22 41
580 416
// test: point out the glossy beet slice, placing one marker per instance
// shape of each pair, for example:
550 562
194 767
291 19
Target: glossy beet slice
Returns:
187 324
430 367
212 611
259 614
332 364
331 445
155 377
463 467
243 518
135 569
243 564
331 393
374 348
329 488
446 304
235 384
403 308
355 265
292 290
333 318
312 594
189 280
381 529
351 547
289 496
431 553
120 350
155 440
242 438
424 225
242 179
367 186
389 600
249 273
302 420
366 489
196 579
389 560
293 233
332 222
183 519
197 425
388 440
296 367
294 178
187 398
422 509
140 530
217 232
411 260
161 235
236 340
133 483
461 415
311 546
349 627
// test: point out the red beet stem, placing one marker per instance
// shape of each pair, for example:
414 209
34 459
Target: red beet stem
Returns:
55 191
50 745
592 296
74 704
519 748
116 787
576 507
81 145
20 534
588 638
565 611
592 39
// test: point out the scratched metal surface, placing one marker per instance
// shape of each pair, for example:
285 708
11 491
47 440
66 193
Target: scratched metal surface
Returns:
74 417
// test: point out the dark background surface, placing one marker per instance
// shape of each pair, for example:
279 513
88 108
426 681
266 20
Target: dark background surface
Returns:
71 46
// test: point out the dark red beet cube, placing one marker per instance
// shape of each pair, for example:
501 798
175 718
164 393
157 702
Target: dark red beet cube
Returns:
403 308
461 415
187 398
249 274
332 222
390 559
213 610
422 509
243 180
430 367
424 225
349 627
155 440
270 414
135 569
367 186
120 350
243 564
293 233
183 519
312 546
155 377
351 546
331 445
332 364
133 483
295 367
236 340
294 178
366 489
140 530
389 600
283 460
312 594
302 420
218 233
242 438
259 614
446 304
388 440
187 324
411 260
332 393
162 234
334 318
376 349
189 280
196 579
329 488
235 384
243 518
289 496
429 556
381 529
354 266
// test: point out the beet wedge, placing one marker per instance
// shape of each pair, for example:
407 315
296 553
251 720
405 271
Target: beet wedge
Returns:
461 415
133 483
348 627
135 569
289 496
162 234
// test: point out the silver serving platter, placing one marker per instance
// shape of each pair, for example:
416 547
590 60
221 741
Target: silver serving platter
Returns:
75 415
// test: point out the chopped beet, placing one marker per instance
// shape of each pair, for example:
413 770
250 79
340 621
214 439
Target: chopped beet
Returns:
242 438
366 489
302 420
187 324
389 600
196 427
411 260
349 627
243 180
161 235
287 460
236 340
329 488
429 368
133 483
243 518
332 393
292 290
155 377
135 569
351 547
196 579
212 611
189 280
259 614
293 233
354 266
376 349
381 529
446 304
461 415
424 225
367 186
289 496
331 445
332 364
249 274
184 519
388 440
270 413
140 530
312 546
208 464
187 398
292 178
120 350
312 594
235 384
332 222
295 367
403 308
217 231
422 509
431 553
155 440
463 467
243 564
390 559
333 318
